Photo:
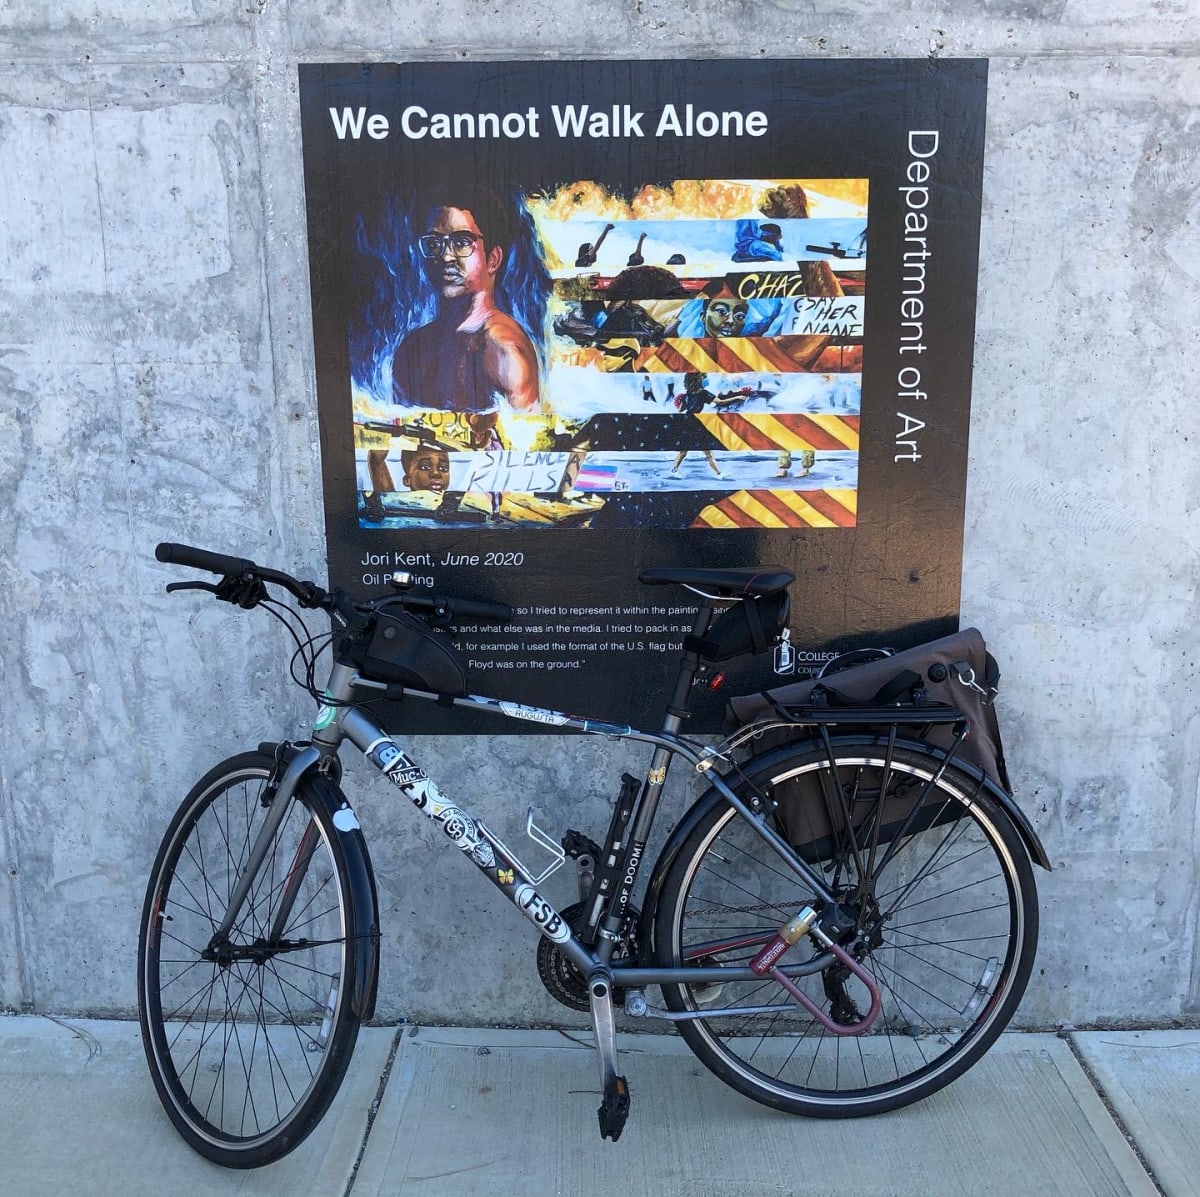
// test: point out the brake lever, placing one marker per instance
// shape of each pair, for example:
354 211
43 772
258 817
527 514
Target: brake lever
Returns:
246 590
174 586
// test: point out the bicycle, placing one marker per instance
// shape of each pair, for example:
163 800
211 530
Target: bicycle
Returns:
839 926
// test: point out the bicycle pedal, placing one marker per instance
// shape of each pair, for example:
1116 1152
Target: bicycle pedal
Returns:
575 844
614 1109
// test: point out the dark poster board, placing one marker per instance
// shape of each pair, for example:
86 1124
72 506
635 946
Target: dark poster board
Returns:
576 319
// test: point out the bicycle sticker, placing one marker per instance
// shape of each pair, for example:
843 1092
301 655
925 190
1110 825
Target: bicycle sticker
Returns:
516 710
383 754
539 912
344 819
325 716
395 766
482 855
404 772
464 831
458 825
407 775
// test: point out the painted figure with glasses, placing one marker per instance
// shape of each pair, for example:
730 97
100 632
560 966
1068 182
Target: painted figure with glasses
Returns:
472 357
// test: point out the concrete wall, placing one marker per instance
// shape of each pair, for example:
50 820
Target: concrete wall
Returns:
156 383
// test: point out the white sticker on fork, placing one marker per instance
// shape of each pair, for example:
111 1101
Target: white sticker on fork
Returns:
344 819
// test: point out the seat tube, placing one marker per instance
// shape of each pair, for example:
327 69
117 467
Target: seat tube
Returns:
647 805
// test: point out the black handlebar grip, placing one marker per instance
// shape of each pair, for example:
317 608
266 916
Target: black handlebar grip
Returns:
476 610
215 563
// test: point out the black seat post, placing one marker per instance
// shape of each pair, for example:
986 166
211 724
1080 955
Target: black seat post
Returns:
689 663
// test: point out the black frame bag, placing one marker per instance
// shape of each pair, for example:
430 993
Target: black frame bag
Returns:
407 650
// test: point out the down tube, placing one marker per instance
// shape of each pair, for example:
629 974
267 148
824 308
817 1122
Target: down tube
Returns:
477 843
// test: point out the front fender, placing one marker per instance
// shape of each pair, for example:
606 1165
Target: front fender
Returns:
350 844
364 901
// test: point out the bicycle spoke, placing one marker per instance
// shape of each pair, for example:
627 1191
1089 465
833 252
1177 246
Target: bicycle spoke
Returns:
945 918
949 944
187 1001
947 893
191 964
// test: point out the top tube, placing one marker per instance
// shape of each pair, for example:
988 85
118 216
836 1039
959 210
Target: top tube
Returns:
343 680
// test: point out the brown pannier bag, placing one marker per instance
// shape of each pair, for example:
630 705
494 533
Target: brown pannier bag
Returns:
957 671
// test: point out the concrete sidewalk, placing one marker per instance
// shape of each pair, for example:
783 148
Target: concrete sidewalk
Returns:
485 1111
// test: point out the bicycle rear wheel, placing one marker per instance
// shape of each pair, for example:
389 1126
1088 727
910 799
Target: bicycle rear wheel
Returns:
247 1043
947 928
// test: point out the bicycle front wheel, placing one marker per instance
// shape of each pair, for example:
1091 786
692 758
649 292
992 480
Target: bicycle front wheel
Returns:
946 916
247 1040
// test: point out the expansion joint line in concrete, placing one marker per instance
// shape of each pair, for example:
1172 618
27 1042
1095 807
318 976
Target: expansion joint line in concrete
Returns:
375 1104
1095 1083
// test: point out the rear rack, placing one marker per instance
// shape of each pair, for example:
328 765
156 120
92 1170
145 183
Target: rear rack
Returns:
820 715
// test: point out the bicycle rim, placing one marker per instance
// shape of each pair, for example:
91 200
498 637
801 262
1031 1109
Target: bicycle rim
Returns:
951 954
246 1051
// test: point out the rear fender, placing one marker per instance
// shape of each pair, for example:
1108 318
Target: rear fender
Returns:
767 760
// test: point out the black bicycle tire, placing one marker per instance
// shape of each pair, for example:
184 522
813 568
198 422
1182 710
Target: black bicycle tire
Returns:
227 1150
876 1099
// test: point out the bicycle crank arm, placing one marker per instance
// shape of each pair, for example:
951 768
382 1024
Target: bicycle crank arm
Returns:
614 1104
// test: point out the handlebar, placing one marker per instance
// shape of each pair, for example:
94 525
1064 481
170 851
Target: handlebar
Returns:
215 563
450 607
245 578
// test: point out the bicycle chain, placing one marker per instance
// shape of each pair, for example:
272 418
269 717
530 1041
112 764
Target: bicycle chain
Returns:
740 909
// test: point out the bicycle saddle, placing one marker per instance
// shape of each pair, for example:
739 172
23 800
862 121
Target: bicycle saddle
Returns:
742 580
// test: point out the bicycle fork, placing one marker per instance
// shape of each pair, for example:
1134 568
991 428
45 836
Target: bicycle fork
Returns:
280 803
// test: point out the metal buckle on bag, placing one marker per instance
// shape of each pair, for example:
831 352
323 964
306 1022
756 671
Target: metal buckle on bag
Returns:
966 677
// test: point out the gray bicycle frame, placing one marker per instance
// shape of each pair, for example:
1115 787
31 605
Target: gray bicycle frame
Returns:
338 720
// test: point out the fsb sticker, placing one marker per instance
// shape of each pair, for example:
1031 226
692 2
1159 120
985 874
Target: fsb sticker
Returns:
541 913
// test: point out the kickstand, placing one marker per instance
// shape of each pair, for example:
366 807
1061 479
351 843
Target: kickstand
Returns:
614 1107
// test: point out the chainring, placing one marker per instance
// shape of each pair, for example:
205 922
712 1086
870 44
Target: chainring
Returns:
563 981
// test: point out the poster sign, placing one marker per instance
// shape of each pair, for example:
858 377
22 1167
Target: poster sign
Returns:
577 319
